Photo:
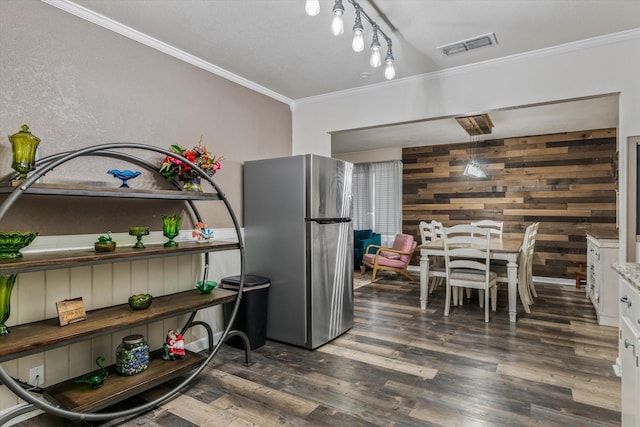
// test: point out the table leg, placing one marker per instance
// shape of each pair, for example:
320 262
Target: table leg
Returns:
424 274
512 272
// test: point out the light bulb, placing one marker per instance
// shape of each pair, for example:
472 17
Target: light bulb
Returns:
389 70
312 7
337 25
375 59
358 41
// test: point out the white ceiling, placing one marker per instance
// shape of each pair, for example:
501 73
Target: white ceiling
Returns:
283 52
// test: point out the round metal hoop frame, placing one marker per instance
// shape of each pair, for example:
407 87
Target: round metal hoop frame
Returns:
47 164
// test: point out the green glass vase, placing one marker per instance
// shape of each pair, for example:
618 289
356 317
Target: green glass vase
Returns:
170 229
23 146
6 286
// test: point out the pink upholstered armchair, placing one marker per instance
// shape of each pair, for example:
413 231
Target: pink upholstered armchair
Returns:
395 258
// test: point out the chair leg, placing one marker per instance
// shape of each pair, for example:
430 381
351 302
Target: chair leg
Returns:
486 305
481 297
373 274
363 269
532 288
494 298
524 296
406 274
434 284
447 300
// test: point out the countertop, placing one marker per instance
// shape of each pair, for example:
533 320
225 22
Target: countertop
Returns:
606 236
629 271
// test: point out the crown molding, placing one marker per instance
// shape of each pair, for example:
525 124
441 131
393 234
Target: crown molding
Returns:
110 24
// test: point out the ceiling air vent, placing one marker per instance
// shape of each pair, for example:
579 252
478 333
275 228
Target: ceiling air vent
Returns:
472 43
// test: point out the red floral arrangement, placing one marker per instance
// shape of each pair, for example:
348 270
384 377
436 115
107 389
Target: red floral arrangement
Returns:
198 155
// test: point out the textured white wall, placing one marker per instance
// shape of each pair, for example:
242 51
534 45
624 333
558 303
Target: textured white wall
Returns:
76 84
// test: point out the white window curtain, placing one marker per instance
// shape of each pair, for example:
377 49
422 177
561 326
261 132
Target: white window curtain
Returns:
377 198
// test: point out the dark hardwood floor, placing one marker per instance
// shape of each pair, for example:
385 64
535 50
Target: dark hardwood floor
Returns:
400 366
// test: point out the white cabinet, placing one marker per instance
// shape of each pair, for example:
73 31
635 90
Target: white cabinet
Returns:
602 280
629 353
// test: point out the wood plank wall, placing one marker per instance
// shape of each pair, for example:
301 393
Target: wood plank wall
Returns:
565 181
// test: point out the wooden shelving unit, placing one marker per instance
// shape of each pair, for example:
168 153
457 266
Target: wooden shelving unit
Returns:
77 258
35 337
82 398
99 191
68 398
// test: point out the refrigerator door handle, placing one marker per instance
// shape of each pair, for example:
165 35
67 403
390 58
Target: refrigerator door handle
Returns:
328 220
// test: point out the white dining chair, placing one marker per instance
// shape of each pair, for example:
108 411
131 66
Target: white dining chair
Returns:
525 280
495 227
430 232
467 261
530 252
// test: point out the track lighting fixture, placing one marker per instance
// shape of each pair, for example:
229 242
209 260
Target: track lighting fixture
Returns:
312 8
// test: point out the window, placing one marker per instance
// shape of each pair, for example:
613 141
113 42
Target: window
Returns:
377 198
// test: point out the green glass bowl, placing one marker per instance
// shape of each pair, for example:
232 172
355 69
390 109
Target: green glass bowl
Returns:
206 287
13 241
140 301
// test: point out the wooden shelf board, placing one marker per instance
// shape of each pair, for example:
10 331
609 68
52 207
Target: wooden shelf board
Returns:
35 337
82 398
100 191
76 258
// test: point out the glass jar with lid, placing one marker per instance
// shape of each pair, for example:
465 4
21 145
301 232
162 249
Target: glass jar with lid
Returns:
132 355
23 146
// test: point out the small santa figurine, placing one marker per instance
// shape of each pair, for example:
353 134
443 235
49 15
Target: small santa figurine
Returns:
174 345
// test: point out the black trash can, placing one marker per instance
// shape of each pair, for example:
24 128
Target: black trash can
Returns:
252 313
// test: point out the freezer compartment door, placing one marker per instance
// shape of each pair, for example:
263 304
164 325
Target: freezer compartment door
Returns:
328 187
330 304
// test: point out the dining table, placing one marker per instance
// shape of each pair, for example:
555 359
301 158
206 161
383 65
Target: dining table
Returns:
500 249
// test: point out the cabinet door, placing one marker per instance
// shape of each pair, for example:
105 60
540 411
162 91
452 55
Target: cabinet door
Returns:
629 345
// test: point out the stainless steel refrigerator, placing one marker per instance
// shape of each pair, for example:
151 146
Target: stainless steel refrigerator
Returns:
298 233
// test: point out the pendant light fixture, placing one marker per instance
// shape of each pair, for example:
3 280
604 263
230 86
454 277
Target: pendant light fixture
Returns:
473 168
312 8
475 125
